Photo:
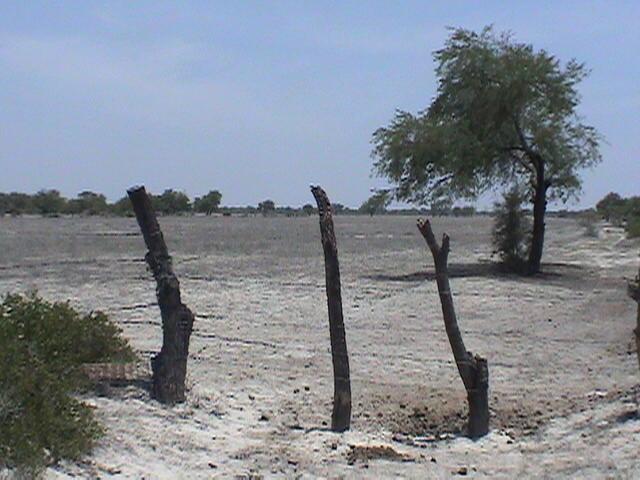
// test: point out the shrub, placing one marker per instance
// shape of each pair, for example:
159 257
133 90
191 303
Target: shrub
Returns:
42 346
633 227
589 221
511 231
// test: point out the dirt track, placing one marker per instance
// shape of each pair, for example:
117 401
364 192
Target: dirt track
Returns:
563 370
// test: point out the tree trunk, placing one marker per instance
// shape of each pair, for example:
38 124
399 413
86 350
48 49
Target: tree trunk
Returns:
341 416
473 369
539 210
634 293
170 365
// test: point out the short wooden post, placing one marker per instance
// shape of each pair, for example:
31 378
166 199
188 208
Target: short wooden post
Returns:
473 369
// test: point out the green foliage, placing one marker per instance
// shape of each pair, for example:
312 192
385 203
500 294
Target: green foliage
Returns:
622 212
501 108
122 207
267 207
87 203
466 211
308 209
633 227
376 203
510 231
15 203
611 206
441 206
48 202
209 203
589 221
338 208
42 346
504 114
171 202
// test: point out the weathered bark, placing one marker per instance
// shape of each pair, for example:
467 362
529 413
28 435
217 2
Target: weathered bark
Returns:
634 293
341 416
539 210
170 365
473 369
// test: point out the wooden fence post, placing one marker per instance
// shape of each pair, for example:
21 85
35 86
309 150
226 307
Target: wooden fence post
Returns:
341 416
170 365
634 293
473 370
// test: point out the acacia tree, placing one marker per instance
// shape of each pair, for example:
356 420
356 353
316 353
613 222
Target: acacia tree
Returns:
376 203
209 203
503 113
267 207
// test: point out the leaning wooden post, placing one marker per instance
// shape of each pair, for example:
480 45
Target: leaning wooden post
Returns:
341 416
634 293
473 370
170 365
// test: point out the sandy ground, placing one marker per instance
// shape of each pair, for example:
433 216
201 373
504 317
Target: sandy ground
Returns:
563 367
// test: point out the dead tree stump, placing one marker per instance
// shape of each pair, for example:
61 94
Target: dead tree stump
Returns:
473 369
169 367
634 293
341 416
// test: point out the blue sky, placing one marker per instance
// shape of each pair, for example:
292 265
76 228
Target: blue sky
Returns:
260 99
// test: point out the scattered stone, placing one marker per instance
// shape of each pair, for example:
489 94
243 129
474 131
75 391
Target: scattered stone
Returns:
462 471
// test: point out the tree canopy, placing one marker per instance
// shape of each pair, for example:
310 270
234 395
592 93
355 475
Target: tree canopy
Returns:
267 207
376 203
503 113
209 203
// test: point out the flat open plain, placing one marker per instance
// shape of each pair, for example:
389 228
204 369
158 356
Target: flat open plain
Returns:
563 368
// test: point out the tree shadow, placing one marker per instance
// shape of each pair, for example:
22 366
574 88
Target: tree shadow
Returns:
486 269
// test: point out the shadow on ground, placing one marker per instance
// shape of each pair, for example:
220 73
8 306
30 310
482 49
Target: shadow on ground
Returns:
551 272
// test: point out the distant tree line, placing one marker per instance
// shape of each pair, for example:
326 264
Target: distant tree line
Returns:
52 203
171 202
621 211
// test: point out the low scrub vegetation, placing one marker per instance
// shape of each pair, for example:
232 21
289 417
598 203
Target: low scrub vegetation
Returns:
511 231
621 211
42 346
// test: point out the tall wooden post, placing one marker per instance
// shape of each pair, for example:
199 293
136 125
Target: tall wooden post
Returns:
473 369
170 365
341 416
634 293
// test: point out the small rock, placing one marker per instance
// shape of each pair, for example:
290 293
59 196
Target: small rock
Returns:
212 465
462 471
263 418
433 460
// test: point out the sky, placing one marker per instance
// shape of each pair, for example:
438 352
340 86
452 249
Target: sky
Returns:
261 99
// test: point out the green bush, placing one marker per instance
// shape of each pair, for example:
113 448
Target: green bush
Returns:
633 227
589 221
42 346
511 231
